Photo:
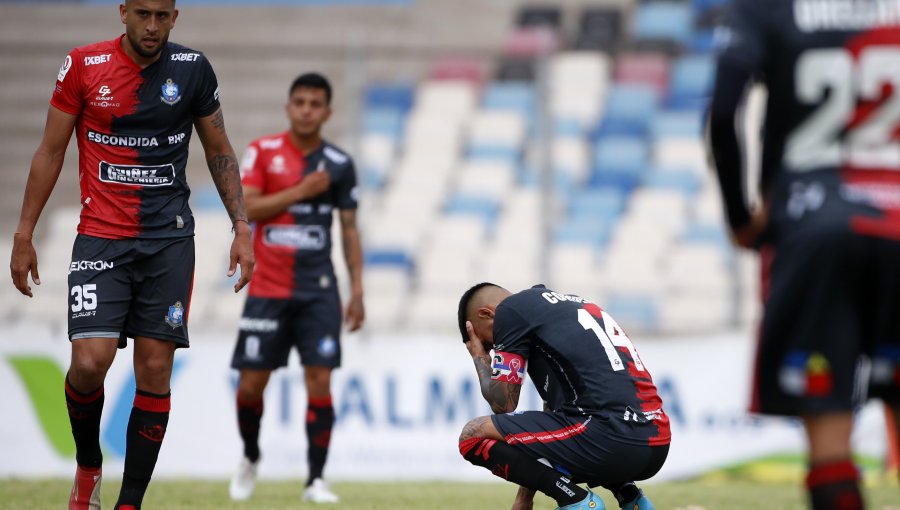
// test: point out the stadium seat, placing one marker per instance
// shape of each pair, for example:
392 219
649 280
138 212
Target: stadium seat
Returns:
693 313
473 205
383 121
573 268
651 69
443 267
667 208
508 266
490 179
699 268
667 21
496 135
515 69
376 158
677 124
684 182
571 157
531 42
604 204
389 96
691 80
577 86
582 229
453 98
599 29
463 69
548 16
619 162
513 96
681 154
629 109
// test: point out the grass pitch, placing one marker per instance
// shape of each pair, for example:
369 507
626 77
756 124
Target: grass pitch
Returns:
207 495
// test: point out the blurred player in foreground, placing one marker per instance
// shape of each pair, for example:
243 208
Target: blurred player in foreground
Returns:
603 422
132 102
829 222
293 181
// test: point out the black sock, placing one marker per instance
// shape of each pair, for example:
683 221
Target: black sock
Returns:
319 422
626 493
146 430
85 410
834 486
511 464
249 416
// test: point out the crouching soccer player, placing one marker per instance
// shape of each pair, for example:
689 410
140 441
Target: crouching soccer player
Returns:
603 422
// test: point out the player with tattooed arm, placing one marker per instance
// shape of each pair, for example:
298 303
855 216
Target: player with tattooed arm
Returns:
132 102
603 423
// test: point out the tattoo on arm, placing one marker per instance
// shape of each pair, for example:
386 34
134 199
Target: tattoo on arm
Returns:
474 428
225 174
502 396
218 121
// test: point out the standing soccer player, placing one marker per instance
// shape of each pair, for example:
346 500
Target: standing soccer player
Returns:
293 182
132 102
603 423
829 224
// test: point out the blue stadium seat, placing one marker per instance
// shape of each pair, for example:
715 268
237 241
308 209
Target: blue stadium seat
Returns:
601 203
629 108
620 154
388 258
690 82
384 121
679 124
634 311
565 127
663 21
619 163
686 182
494 152
582 230
484 207
703 41
397 96
511 95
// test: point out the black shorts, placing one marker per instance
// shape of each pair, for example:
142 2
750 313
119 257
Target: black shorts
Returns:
269 329
830 333
125 288
580 447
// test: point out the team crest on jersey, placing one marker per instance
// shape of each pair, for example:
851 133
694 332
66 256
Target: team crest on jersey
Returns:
327 347
170 93
175 317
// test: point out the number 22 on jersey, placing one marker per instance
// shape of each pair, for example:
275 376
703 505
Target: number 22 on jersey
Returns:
610 336
870 144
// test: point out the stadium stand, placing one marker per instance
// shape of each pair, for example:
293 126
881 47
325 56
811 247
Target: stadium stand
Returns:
445 128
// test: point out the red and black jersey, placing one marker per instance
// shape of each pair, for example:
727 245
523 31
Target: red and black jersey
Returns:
832 127
580 361
133 130
293 249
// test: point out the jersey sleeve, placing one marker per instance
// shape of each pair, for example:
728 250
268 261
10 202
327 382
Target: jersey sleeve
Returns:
68 96
207 98
346 190
252 173
511 345
743 40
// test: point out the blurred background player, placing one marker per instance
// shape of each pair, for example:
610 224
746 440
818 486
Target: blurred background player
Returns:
603 421
829 222
293 181
133 100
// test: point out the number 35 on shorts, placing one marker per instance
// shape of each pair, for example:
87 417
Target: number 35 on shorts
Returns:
85 297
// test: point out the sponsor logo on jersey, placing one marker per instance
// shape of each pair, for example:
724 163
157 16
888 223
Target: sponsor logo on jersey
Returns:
105 99
64 68
271 143
138 175
122 141
254 325
93 265
277 165
185 57
97 59
335 155
170 93
300 237
175 316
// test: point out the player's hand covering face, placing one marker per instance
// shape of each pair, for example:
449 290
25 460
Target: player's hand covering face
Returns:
475 344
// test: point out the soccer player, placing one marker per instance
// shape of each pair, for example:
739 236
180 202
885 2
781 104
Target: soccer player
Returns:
603 423
293 182
829 220
132 102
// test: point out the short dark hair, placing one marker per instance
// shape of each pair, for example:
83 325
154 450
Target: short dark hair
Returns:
464 305
313 81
